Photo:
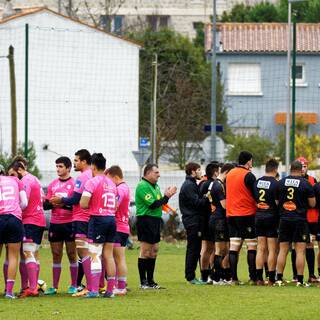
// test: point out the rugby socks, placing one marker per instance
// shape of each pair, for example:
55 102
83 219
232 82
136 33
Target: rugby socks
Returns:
310 257
122 283
300 278
32 269
80 273
279 276
24 274
95 279
272 276
56 272
293 263
233 260
217 268
111 281
205 274
9 286
142 266
266 269
73 273
86 264
102 276
251 260
5 271
226 274
38 269
319 272
260 274
151 262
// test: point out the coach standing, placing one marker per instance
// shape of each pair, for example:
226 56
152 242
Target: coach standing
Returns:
149 202
192 205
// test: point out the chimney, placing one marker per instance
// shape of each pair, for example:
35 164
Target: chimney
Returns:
8 10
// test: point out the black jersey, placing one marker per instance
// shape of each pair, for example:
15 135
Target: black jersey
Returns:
293 193
218 194
204 188
316 189
265 196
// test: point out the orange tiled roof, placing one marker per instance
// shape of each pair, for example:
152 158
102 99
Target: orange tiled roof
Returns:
264 37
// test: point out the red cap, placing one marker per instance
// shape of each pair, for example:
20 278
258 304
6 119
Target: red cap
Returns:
303 160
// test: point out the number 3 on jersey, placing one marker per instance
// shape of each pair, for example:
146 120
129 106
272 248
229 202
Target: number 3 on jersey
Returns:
290 193
109 200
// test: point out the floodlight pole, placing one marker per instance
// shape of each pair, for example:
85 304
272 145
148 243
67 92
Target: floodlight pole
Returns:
154 111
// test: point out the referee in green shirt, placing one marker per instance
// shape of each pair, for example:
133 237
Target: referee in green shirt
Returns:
149 202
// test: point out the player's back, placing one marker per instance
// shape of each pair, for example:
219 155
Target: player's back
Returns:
122 213
9 196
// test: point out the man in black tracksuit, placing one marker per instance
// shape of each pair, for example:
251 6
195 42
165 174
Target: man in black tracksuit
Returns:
192 206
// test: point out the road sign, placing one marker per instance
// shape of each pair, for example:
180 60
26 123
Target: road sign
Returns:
141 156
207 128
144 142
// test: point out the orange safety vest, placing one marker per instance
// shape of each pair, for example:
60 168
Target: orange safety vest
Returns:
239 200
312 213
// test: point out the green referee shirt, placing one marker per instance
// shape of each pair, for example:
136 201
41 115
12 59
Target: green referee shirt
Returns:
146 195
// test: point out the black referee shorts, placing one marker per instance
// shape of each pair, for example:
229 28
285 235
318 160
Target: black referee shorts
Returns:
148 229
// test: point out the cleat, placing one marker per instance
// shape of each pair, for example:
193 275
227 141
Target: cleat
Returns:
209 281
279 283
81 287
294 280
50 291
260 283
155 286
102 290
29 293
108 294
270 283
196 282
120 292
313 279
303 285
144 285
81 293
92 294
10 296
71 290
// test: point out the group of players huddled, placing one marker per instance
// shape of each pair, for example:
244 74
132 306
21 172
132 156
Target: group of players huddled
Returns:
89 214
271 215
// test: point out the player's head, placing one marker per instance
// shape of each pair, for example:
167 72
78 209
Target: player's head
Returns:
82 159
304 163
296 168
17 169
272 166
63 166
226 168
245 159
2 171
212 169
21 159
151 173
193 169
115 174
98 163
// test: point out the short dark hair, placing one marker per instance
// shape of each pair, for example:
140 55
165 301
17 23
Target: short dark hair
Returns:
99 161
149 168
16 165
211 168
191 166
271 165
65 160
227 167
244 157
115 171
296 166
84 155
21 159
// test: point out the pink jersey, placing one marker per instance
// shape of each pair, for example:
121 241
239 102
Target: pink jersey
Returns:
78 213
122 213
33 213
62 188
103 196
10 188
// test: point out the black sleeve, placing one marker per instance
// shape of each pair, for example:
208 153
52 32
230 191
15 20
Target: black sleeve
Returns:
74 199
249 181
203 187
47 205
159 203
310 190
316 189
217 192
193 199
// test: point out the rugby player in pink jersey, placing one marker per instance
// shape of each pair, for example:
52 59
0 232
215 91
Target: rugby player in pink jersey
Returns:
60 230
34 222
123 229
13 198
80 217
99 197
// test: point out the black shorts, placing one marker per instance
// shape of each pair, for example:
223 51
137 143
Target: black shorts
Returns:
206 231
33 233
219 229
293 231
267 227
314 229
59 232
102 229
121 239
148 229
80 229
242 227
11 229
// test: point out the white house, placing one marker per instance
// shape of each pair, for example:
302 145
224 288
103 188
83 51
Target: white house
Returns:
83 88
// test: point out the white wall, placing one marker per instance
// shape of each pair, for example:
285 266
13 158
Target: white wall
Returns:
83 89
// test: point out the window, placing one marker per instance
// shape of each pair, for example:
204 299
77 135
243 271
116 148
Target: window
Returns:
244 79
157 22
112 23
300 75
